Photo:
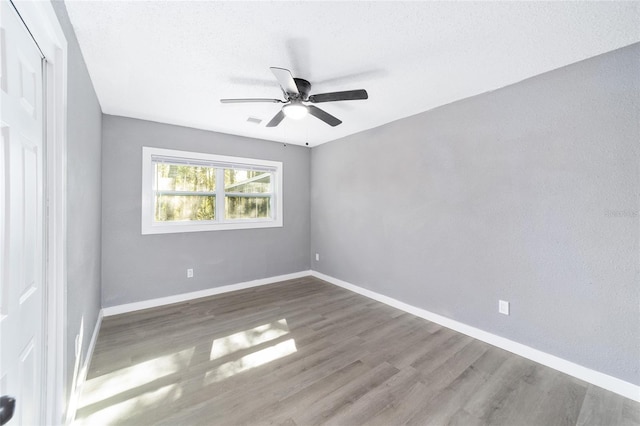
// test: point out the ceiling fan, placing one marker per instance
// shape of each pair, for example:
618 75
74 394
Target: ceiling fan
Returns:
296 93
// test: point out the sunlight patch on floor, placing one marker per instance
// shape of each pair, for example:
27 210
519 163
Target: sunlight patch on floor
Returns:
123 393
250 361
116 412
108 385
248 338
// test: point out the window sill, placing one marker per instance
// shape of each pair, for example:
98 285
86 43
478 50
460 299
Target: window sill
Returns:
180 227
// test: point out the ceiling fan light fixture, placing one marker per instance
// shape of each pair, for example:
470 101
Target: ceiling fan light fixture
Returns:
295 110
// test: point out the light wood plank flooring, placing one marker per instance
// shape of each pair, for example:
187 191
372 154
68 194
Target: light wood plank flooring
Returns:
305 352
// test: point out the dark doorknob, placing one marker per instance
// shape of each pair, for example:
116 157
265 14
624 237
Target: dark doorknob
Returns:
7 405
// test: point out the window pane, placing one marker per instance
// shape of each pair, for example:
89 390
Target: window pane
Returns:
177 177
247 207
247 181
185 207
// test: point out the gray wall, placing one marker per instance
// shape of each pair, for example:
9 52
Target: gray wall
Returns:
139 267
84 121
528 194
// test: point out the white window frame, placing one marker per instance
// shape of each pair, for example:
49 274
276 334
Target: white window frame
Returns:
151 226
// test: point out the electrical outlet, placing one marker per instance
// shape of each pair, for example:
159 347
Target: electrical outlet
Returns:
317 257
503 307
189 273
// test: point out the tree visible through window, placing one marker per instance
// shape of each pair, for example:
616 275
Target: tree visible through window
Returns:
247 194
185 192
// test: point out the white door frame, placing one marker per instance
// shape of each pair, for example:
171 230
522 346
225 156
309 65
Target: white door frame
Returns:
42 22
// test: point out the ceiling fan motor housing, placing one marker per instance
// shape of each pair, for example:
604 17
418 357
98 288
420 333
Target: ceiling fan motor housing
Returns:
304 87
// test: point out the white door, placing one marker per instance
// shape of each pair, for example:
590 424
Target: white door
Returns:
22 221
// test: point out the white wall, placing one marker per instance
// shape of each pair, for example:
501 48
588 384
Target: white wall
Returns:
139 267
84 210
528 194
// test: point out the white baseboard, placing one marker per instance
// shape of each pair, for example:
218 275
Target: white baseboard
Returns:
152 303
76 391
626 389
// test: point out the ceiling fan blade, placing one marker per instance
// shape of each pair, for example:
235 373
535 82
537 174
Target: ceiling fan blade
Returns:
349 95
323 115
285 79
236 101
276 119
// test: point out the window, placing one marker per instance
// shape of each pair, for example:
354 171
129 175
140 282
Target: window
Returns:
188 191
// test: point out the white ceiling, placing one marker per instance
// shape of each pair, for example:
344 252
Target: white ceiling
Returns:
171 61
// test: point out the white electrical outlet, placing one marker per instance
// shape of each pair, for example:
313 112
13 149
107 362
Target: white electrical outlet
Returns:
317 257
189 273
503 307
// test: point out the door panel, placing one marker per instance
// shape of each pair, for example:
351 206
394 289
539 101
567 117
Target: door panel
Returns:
28 396
4 243
31 225
22 224
3 62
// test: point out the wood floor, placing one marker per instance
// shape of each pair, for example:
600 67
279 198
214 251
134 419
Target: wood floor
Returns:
305 352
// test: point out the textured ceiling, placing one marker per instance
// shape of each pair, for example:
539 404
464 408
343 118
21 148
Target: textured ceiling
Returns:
172 61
